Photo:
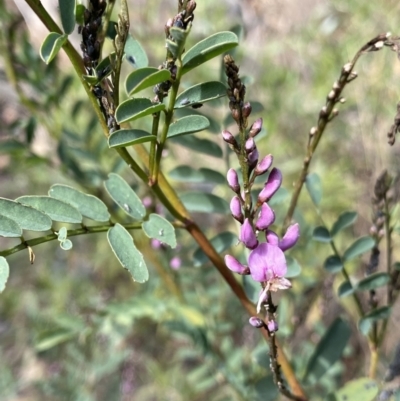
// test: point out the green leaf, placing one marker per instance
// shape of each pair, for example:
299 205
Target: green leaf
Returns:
9 228
51 46
279 197
132 109
4 273
345 289
314 188
358 247
321 234
144 78
127 137
102 70
220 242
200 93
56 209
88 205
11 146
189 174
176 46
66 245
346 219
266 389
333 264
62 234
366 322
135 54
188 125
293 267
373 281
363 389
212 176
328 351
67 11
124 196
26 217
208 48
204 202
159 228
53 339
126 252
210 148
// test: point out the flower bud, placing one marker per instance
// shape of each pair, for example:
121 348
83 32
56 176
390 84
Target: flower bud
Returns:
234 265
252 158
256 322
228 137
250 145
175 263
265 218
290 238
271 186
233 180
272 326
248 236
264 165
256 127
236 209
246 109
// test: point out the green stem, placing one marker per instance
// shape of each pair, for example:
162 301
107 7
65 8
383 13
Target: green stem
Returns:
153 145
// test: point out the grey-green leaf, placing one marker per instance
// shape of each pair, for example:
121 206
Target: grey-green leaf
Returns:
208 48
144 78
200 93
177 45
26 217
360 246
4 273
51 46
88 205
363 389
314 188
293 267
328 351
127 137
132 109
210 148
9 228
126 252
321 234
333 264
204 202
346 219
220 242
124 196
366 322
373 281
135 54
345 289
159 228
189 174
67 11
188 125
56 209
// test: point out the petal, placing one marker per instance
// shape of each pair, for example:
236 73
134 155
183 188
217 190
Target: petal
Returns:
272 238
233 180
234 265
290 238
264 165
256 127
236 209
248 236
280 283
265 218
253 158
256 322
249 145
271 186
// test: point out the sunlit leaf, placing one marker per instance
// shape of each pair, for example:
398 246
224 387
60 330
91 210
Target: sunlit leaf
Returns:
200 93
366 322
56 209
67 11
4 273
360 246
363 389
208 48
328 351
135 54
188 125
126 252
127 137
26 217
159 228
88 205
124 196
51 46
314 188
373 281
9 228
210 148
144 78
220 242
132 109
333 264
346 219
204 202
321 234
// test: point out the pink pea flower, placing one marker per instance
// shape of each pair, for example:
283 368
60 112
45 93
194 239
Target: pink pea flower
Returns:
248 236
271 186
234 265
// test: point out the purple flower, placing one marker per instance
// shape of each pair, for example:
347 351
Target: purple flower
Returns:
253 158
233 180
264 165
272 326
234 265
248 236
290 238
250 145
271 186
236 209
256 322
266 217
256 127
228 138
175 263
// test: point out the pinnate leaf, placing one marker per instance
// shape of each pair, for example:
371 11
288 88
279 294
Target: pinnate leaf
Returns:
132 109
51 46
366 322
9 228
144 78
345 219
321 234
126 252
204 202
200 93
373 281
159 228
135 54
4 273
360 246
188 125
210 148
127 137
363 389
333 264
67 11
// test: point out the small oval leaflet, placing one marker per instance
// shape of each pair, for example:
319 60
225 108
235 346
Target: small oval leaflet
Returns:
4 273
346 219
321 234
127 137
188 125
205 203
373 281
358 247
144 78
126 252
205 146
363 389
56 209
132 109
135 53
88 205
201 93
314 188
67 11
26 217
333 264
159 228
124 196
51 46
366 322
9 228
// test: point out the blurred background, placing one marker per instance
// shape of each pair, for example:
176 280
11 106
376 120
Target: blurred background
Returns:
73 326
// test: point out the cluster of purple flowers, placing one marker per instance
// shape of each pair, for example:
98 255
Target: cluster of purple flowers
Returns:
266 262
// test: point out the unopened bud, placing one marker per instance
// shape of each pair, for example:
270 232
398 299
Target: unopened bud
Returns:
331 95
246 109
252 158
264 165
256 127
233 180
347 67
313 131
250 145
228 138
342 100
256 322
272 326
236 209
